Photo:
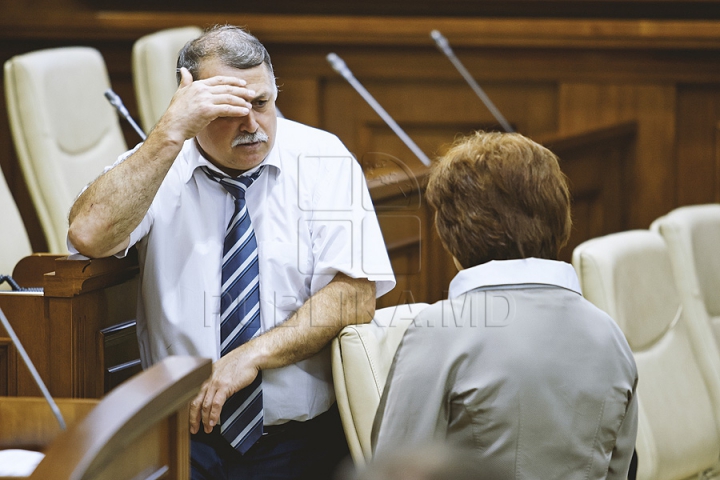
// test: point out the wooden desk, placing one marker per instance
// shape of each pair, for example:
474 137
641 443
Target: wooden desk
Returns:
28 422
79 332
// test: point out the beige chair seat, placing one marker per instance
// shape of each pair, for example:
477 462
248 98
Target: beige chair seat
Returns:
361 360
629 276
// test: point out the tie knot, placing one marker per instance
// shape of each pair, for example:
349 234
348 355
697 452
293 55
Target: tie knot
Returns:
235 186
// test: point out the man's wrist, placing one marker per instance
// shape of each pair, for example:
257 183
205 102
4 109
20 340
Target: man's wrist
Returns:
256 353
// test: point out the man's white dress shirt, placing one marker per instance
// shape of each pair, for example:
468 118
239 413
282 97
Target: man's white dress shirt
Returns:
313 218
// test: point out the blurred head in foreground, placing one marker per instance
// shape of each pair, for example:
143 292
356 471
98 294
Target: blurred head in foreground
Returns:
436 461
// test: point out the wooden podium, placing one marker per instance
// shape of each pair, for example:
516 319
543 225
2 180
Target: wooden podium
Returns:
79 331
139 430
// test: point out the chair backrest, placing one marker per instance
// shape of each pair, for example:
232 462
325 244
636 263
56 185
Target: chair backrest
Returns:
692 235
65 131
14 242
629 276
139 430
154 60
361 360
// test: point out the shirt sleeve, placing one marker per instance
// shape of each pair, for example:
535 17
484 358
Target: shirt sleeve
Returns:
346 234
137 234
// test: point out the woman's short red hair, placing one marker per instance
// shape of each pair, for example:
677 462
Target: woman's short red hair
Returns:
499 196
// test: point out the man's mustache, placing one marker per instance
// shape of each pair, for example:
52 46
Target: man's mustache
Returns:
245 138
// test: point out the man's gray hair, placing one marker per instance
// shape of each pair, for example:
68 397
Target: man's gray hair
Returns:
233 46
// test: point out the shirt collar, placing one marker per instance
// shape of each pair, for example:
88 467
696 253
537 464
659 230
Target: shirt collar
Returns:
515 272
192 160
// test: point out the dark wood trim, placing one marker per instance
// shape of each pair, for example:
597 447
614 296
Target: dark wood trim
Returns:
562 142
367 30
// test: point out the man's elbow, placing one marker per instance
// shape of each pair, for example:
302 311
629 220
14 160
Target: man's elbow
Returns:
366 302
84 241
355 297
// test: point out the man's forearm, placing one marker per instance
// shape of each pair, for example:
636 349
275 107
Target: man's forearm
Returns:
105 215
344 301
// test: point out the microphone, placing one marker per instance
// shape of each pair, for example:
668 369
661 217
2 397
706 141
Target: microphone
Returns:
444 46
339 66
116 102
33 371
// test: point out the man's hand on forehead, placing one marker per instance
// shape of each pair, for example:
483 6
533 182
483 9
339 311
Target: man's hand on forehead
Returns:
197 103
225 85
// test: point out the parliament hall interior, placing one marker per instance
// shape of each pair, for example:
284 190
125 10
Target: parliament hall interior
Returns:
380 149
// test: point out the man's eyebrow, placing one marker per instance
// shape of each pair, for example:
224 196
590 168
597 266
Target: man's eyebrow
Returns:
265 94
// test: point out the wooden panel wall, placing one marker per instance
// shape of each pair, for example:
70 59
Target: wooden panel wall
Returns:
652 177
674 9
698 150
545 74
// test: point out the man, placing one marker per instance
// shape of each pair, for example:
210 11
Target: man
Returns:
515 365
222 200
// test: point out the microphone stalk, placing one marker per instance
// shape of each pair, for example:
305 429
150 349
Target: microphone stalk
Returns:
117 102
33 371
339 66
444 46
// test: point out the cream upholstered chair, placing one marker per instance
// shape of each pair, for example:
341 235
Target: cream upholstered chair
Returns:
154 61
692 235
361 360
65 132
14 242
629 276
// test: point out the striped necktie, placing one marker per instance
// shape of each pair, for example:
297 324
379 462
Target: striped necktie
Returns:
241 419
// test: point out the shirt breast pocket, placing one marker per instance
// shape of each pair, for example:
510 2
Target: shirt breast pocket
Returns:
284 283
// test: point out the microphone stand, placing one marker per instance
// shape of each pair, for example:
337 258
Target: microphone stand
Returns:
444 47
33 371
339 66
116 102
